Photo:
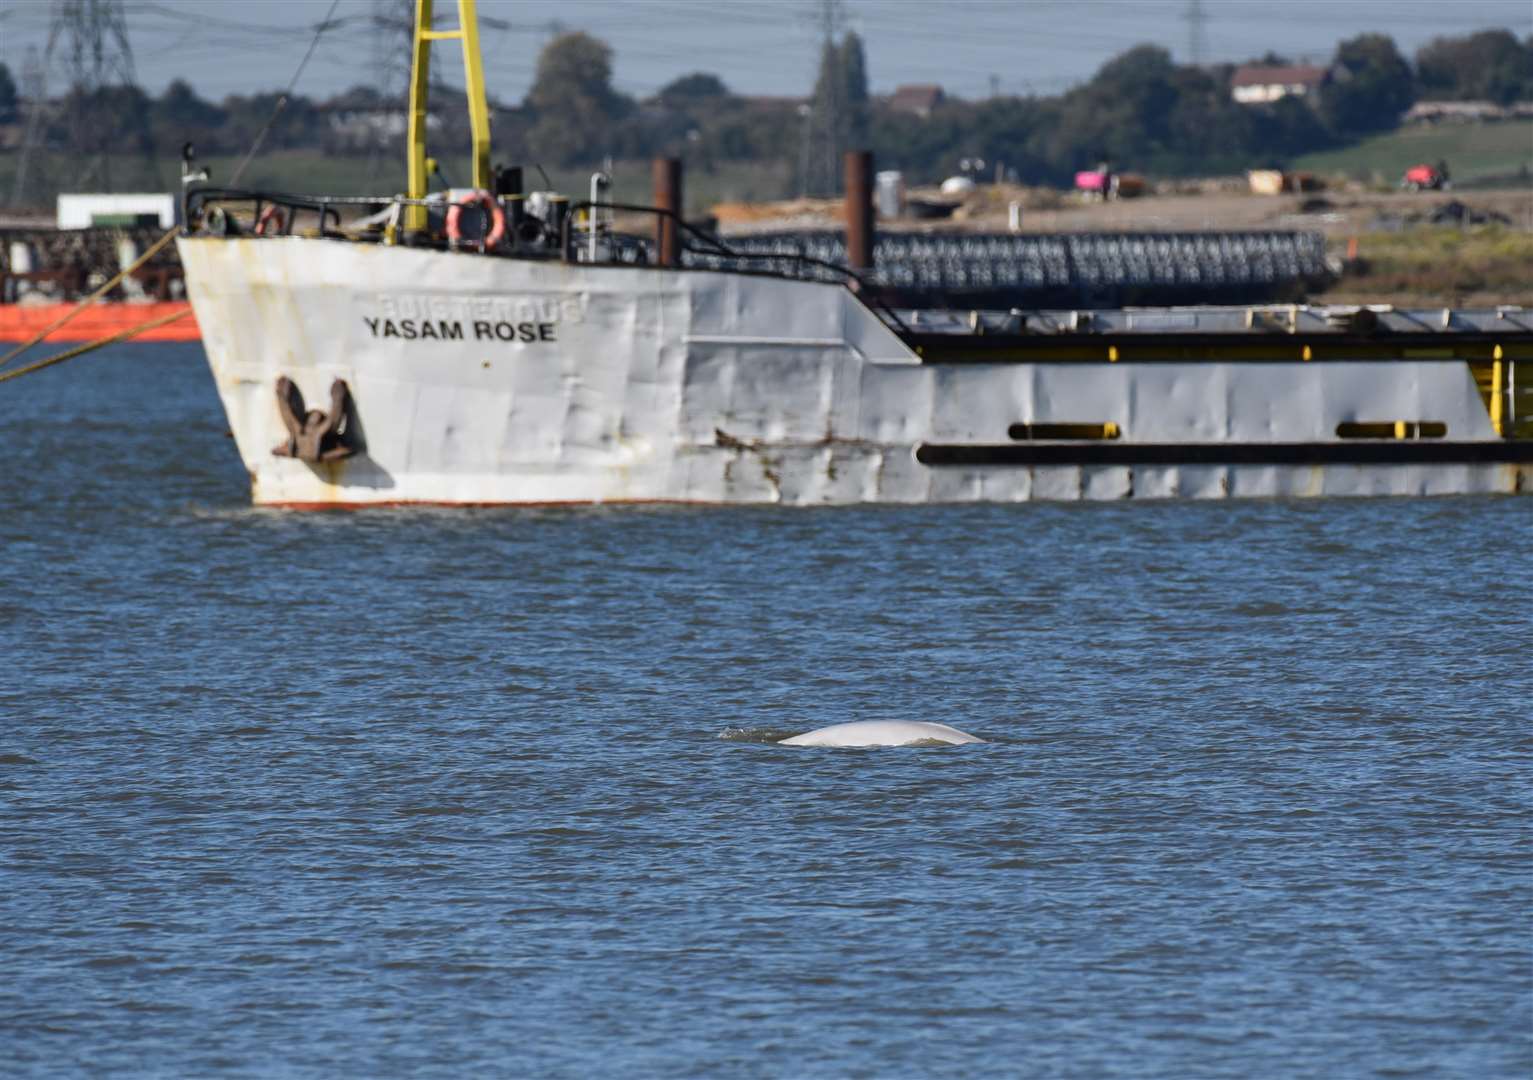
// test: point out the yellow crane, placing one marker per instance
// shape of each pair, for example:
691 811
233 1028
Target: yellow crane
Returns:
478 110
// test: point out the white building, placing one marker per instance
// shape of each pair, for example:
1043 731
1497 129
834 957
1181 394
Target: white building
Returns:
1257 84
148 208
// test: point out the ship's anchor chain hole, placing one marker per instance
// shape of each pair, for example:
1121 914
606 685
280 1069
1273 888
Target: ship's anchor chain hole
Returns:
313 434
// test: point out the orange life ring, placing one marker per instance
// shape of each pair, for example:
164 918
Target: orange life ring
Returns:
270 214
497 217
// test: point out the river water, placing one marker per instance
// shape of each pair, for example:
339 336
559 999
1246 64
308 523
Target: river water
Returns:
450 793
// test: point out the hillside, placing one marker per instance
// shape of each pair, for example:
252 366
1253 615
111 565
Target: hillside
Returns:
1476 154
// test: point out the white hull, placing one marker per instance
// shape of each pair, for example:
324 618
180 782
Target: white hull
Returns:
544 382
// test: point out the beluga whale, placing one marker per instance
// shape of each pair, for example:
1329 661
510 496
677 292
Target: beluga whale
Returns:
883 733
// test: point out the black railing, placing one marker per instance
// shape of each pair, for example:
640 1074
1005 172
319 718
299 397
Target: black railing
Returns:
712 244
326 208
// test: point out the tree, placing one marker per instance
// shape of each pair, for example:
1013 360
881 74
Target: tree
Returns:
1204 125
573 104
928 150
694 89
294 124
754 131
826 135
1286 128
1121 115
1370 86
7 96
98 123
839 113
854 91
180 116
1489 66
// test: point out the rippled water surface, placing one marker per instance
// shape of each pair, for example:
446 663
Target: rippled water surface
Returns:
490 792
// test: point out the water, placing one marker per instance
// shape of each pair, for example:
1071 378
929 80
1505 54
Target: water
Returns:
457 793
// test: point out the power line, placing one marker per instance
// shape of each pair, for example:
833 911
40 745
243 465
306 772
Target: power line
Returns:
283 99
654 38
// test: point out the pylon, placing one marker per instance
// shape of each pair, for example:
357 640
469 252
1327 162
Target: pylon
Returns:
88 46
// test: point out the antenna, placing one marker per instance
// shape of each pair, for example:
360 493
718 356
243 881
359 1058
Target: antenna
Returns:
1197 32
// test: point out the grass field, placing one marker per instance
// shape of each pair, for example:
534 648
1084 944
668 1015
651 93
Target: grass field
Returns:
310 171
1427 265
1472 151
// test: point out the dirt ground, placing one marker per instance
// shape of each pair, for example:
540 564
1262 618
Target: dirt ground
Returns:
1338 214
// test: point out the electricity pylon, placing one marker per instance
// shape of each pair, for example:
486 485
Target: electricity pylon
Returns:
88 45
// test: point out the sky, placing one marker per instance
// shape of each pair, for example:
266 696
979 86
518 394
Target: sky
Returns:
769 47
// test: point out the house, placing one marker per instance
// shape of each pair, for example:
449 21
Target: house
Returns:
150 209
1257 84
918 100
358 127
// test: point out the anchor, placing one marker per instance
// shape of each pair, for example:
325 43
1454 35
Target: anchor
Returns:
315 435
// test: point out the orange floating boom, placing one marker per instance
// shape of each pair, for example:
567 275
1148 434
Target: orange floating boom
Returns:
20 322
80 350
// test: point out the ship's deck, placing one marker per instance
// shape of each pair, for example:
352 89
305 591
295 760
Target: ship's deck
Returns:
1288 332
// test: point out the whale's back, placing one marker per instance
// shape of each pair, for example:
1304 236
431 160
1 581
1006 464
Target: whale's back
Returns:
882 733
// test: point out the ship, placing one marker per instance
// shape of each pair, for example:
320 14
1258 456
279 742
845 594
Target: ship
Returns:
487 346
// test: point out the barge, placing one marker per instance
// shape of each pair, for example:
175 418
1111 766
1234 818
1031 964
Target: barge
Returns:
46 272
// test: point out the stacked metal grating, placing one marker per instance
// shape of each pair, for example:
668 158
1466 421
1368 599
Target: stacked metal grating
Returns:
1075 267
